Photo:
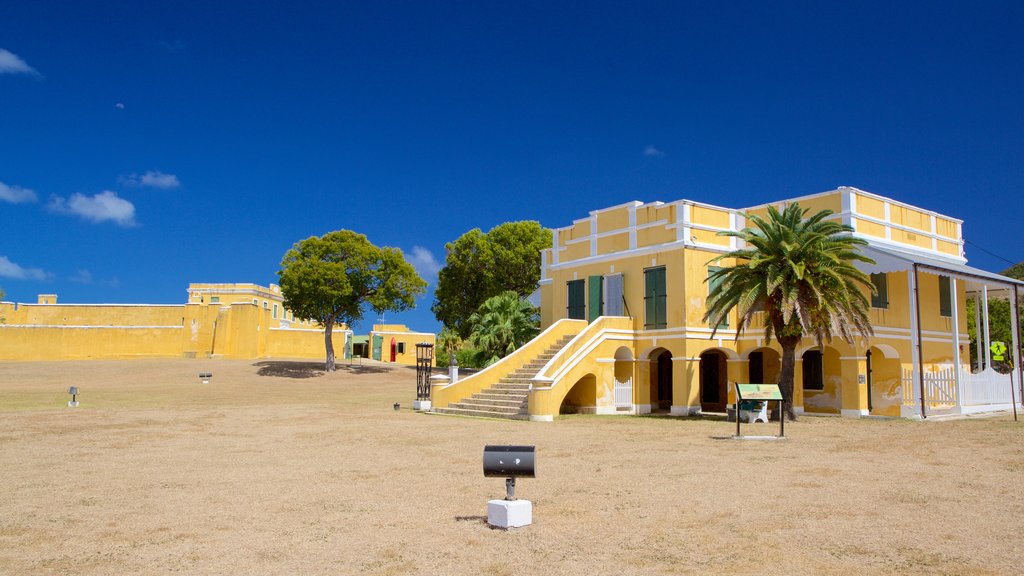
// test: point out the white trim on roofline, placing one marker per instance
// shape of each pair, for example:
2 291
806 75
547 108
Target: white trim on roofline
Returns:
89 326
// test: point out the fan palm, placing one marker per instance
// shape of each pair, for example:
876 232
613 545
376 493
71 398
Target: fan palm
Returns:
501 324
800 273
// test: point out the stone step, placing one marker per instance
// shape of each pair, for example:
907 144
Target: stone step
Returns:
481 414
506 385
497 410
502 399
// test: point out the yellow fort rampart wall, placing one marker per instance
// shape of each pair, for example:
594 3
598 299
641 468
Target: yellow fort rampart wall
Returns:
199 329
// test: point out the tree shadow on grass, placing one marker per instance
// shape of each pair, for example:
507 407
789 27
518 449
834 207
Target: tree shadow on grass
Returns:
295 369
361 368
286 369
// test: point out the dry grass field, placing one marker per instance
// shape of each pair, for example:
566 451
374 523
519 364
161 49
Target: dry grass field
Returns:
276 468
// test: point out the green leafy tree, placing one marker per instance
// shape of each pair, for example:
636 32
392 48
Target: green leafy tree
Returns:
449 343
502 324
999 324
479 266
800 272
332 278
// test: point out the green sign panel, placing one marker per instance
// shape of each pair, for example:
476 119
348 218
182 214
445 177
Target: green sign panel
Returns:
759 391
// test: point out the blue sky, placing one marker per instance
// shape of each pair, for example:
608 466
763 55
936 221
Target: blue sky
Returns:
144 147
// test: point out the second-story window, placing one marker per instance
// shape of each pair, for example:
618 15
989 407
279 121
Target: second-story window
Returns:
880 299
655 299
577 296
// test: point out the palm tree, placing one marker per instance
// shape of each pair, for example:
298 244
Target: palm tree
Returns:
501 324
800 273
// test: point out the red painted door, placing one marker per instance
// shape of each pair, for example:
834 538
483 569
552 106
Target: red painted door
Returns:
394 349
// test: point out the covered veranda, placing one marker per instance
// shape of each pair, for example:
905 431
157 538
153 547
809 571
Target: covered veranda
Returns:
940 383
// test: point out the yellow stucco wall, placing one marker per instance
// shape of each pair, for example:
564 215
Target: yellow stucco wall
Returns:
196 329
405 342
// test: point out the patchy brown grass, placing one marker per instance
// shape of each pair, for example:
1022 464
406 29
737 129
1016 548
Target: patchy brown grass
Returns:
276 468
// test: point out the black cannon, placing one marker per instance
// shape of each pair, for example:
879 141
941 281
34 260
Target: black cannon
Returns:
509 462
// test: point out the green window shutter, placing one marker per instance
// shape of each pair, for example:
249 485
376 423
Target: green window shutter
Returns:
577 308
655 299
945 298
594 301
713 284
881 297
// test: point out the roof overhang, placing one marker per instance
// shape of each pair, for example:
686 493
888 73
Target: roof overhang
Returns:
890 260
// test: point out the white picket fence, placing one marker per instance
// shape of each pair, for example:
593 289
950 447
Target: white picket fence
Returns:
624 393
986 387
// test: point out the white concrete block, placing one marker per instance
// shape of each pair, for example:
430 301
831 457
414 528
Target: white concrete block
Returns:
509 513
421 404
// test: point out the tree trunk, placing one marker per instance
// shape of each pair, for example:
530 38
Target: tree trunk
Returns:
786 375
329 344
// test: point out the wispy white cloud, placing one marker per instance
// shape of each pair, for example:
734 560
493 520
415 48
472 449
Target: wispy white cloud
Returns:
16 194
652 151
151 179
103 207
9 269
81 277
176 45
424 262
11 64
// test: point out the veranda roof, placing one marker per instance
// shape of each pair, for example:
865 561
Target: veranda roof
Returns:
891 260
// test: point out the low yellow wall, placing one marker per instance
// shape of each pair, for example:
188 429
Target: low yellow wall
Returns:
87 342
83 331
292 343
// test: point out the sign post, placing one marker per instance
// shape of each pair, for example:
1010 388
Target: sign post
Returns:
760 393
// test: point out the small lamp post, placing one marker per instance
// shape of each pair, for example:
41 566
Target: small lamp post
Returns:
424 368
74 396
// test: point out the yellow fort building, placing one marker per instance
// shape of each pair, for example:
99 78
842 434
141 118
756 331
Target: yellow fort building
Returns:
242 321
623 296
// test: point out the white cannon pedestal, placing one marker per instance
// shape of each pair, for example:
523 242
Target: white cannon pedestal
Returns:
509 513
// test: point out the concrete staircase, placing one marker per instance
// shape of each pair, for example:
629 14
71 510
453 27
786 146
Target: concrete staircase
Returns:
509 397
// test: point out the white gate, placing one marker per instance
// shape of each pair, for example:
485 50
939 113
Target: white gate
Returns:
624 393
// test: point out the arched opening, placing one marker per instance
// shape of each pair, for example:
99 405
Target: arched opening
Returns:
623 379
661 379
713 374
582 397
885 393
765 365
821 380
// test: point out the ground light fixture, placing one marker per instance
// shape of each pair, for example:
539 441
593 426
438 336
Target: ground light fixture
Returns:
205 377
398 406
509 462
74 396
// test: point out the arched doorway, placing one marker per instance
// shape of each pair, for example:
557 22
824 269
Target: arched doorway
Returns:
713 373
661 379
394 349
